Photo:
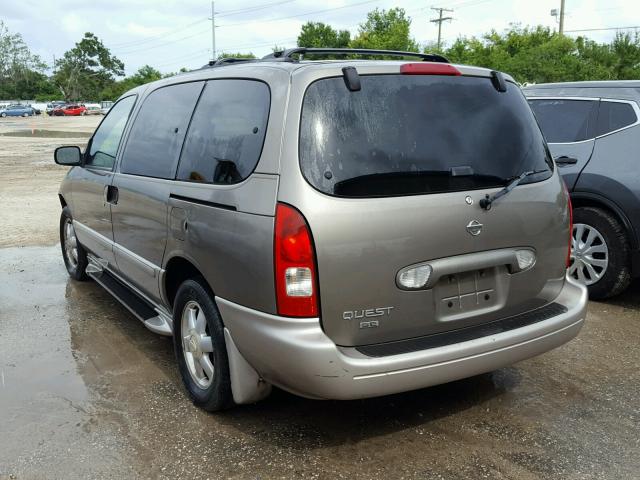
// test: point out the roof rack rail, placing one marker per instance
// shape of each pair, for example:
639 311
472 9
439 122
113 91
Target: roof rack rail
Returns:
287 55
227 61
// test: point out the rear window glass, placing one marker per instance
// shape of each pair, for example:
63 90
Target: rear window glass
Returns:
417 134
566 121
614 116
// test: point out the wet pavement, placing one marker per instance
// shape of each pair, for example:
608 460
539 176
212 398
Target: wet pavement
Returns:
87 392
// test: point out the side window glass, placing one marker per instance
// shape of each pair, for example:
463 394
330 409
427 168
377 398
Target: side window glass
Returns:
613 116
104 144
227 132
158 131
564 121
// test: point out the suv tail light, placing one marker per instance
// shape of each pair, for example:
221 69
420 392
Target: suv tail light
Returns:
295 264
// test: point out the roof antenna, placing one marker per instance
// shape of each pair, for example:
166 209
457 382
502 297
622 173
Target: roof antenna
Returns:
351 79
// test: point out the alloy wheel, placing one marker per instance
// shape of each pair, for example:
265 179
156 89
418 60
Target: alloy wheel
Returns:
70 243
197 345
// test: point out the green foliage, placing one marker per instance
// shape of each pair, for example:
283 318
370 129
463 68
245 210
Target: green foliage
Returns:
87 69
538 55
144 75
21 72
385 29
236 55
321 35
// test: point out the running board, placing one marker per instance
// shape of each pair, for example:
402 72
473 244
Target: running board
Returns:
152 318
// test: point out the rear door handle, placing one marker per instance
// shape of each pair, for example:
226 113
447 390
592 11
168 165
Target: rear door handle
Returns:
564 160
111 194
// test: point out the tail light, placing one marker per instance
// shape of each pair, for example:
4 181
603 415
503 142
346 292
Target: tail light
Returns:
570 207
295 264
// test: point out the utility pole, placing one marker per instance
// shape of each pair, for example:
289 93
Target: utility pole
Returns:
441 19
561 28
213 33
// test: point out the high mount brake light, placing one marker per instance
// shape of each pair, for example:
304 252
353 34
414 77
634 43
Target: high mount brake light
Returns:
429 69
295 264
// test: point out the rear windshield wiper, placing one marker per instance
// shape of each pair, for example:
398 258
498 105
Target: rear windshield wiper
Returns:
489 199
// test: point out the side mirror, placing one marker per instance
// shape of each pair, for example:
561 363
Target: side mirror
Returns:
69 156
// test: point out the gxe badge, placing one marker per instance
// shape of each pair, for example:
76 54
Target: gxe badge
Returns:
474 228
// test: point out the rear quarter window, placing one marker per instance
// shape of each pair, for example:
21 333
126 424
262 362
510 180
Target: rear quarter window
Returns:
227 132
566 121
613 116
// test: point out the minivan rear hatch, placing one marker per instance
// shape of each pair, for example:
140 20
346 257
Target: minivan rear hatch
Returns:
393 177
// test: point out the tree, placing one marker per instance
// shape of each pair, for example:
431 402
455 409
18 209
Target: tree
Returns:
537 55
321 35
236 55
385 29
87 69
21 72
144 75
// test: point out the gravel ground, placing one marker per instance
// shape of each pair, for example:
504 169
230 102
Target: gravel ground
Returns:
87 392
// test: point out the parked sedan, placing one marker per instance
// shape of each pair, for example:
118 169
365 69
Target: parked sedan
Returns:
93 109
17 111
53 106
70 110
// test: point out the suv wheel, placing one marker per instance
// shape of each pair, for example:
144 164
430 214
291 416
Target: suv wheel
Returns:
198 340
75 257
600 253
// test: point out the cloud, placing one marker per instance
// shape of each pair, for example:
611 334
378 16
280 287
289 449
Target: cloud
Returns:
176 33
72 23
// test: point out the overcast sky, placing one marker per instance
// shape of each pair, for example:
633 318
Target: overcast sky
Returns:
169 34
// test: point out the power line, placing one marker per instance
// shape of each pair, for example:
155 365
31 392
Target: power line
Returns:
153 37
127 50
169 42
239 11
300 15
603 29
217 14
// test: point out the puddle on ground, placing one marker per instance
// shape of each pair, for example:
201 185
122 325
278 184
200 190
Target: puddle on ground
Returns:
42 133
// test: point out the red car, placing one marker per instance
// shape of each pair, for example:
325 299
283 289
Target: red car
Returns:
70 110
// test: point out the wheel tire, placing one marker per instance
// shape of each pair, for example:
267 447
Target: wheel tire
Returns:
76 268
217 395
3 115
617 275
25 114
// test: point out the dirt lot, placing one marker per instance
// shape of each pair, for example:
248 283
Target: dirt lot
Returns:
30 179
87 392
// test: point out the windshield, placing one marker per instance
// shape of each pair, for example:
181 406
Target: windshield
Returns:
417 134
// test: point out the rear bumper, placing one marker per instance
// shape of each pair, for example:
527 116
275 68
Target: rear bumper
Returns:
296 355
